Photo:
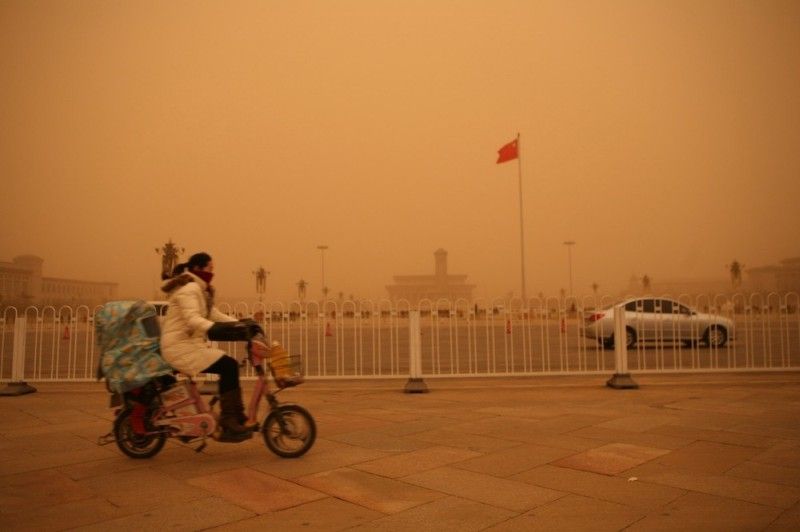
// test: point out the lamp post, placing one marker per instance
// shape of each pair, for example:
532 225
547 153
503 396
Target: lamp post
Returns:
322 248
170 253
569 244
261 281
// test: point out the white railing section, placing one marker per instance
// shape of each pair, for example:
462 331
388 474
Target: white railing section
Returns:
370 339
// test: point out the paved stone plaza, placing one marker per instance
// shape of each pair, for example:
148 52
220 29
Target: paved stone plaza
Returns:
690 452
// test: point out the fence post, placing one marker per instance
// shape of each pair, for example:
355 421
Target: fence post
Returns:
622 379
18 386
415 384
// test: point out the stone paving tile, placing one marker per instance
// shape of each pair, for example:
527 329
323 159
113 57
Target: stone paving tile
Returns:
23 462
201 464
12 420
573 513
371 439
88 430
405 464
141 489
638 494
371 491
788 521
387 414
119 462
413 427
564 441
611 458
700 511
708 457
639 422
707 408
790 432
256 491
508 462
330 424
328 514
783 454
199 514
497 426
644 439
537 412
754 491
53 441
509 494
706 420
767 473
719 436
471 442
315 462
569 423
720 406
54 516
442 515
28 491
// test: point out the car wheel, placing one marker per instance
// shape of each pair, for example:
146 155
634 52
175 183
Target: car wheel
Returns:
630 337
715 336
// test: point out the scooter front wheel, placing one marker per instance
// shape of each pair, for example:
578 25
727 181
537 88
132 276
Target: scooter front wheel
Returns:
289 431
136 445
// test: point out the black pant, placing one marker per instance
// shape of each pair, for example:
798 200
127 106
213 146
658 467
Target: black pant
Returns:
228 370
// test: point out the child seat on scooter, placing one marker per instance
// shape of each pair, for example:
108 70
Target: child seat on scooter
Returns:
128 335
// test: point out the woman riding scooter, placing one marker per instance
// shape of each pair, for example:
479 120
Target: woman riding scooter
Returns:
190 321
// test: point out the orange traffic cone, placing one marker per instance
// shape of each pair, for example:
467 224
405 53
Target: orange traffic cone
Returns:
328 330
65 336
508 326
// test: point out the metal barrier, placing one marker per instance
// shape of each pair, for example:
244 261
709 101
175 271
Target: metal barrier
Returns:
372 339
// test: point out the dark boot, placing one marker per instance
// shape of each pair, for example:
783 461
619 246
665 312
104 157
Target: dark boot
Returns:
241 417
230 404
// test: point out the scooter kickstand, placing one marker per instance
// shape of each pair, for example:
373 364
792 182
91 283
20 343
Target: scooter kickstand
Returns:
201 446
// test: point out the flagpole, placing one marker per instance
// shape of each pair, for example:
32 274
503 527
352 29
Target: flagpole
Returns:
521 226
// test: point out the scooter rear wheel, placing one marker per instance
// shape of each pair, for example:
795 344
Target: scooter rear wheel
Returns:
136 445
289 431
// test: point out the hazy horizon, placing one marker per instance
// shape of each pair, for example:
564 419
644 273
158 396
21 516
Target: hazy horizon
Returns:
662 137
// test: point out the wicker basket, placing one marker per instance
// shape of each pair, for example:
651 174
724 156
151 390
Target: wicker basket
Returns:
285 368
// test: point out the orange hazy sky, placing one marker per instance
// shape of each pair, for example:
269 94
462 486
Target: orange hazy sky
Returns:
662 136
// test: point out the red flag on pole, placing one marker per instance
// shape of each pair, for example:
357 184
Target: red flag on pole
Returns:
508 152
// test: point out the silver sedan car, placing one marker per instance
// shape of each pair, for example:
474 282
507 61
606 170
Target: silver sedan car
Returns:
651 319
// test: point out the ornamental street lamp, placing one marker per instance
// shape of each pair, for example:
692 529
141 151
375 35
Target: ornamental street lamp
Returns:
169 258
569 244
322 248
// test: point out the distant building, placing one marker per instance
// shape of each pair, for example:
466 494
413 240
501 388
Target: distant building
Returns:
781 278
22 283
440 285
676 287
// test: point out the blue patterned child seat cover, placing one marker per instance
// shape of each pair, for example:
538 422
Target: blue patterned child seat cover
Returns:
129 344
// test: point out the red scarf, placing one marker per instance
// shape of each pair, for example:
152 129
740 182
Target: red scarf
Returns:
206 276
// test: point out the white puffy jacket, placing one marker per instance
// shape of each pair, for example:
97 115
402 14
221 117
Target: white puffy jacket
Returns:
190 314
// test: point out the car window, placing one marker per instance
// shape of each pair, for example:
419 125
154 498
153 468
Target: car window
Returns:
631 306
648 305
666 306
684 310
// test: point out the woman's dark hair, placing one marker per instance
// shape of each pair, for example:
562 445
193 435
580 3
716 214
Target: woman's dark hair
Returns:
198 260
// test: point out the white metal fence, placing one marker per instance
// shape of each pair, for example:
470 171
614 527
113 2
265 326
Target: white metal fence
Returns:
370 339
